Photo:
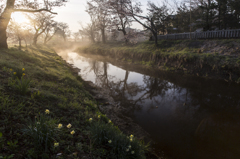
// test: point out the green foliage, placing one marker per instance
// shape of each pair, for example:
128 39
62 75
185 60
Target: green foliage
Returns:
42 132
22 85
119 145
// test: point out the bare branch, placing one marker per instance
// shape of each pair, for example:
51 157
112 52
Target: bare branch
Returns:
33 11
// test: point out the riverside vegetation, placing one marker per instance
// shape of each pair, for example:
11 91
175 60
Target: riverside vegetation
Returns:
207 58
46 112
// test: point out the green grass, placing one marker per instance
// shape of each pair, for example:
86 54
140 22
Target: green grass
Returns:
26 131
197 55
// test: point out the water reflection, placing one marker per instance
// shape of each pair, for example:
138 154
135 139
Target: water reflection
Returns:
187 117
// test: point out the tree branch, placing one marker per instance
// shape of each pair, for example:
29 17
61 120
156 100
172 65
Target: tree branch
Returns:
33 11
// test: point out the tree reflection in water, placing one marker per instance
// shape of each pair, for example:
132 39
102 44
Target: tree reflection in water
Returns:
188 117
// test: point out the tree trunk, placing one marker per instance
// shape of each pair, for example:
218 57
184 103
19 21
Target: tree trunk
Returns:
103 36
124 34
20 43
25 42
155 39
4 20
45 40
35 39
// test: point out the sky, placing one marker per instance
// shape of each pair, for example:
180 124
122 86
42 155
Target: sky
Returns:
74 12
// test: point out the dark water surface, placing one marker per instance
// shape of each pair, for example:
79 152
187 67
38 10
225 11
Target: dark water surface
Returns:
187 117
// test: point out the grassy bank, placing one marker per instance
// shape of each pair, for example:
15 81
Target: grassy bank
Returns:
46 112
215 58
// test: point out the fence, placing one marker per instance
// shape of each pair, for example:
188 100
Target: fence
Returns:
203 35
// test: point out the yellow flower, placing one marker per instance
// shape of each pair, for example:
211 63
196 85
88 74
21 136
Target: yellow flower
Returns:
109 141
90 119
72 132
99 116
131 136
59 126
109 121
56 144
69 125
23 74
132 152
131 139
23 69
10 69
14 73
47 111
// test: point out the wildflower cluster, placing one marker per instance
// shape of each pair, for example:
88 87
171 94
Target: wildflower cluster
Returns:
56 144
104 132
131 138
20 83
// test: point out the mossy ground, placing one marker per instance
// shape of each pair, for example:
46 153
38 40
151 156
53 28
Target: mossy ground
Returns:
208 58
53 86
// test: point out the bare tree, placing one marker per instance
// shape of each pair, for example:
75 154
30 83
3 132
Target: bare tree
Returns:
90 30
15 31
63 30
134 10
76 36
50 31
7 7
120 19
99 10
40 22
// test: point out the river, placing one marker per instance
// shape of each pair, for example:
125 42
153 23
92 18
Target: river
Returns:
187 117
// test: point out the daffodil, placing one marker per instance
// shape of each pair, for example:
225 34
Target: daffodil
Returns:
109 121
59 126
72 132
90 119
23 69
131 139
14 73
132 152
109 141
56 144
23 74
69 125
10 69
47 111
131 136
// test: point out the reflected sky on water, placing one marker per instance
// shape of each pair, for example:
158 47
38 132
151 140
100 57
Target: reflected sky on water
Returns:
187 117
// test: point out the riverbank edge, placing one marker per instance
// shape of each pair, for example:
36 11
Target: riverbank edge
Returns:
170 57
47 88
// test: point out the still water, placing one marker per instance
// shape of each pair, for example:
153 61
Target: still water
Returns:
187 117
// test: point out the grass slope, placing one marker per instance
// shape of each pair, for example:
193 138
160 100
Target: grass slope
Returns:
45 112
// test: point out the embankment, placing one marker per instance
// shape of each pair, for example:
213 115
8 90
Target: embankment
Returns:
217 59
46 111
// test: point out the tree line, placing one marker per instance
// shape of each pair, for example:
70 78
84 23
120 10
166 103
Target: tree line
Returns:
41 26
165 18
40 15
116 15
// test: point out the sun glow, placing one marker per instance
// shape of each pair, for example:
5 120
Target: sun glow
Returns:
19 18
